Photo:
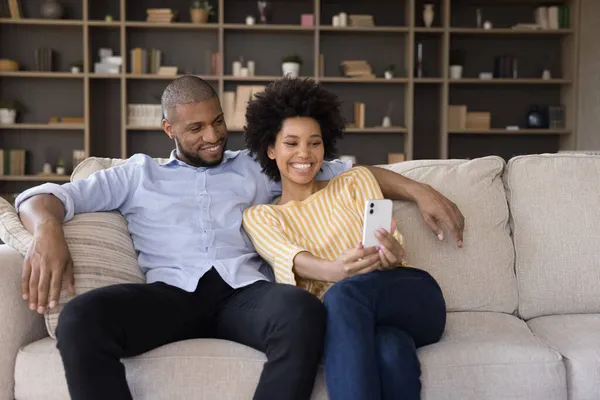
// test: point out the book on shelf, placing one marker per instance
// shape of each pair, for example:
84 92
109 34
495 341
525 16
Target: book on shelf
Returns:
145 61
161 15
235 103
356 69
552 17
359 20
144 115
12 162
359 115
44 59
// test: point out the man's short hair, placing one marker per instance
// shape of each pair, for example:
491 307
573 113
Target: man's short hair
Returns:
187 89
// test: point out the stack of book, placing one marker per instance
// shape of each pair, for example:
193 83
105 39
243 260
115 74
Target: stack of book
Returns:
145 61
359 115
553 17
144 115
12 162
363 21
235 104
163 15
357 69
44 59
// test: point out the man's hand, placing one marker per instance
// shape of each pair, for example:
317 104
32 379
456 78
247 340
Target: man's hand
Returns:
436 209
391 252
46 263
358 260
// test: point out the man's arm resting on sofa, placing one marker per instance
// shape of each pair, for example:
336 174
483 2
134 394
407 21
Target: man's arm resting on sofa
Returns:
43 209
48 259
434 207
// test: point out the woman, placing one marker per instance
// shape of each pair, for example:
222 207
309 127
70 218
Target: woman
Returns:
379 310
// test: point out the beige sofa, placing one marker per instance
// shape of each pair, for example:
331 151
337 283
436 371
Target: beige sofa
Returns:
523 296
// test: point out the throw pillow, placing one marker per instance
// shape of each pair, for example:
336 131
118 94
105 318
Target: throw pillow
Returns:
100 246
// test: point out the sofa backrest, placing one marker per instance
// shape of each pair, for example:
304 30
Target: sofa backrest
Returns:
480 276
555 216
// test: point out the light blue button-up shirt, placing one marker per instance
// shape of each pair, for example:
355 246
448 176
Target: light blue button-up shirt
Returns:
183 220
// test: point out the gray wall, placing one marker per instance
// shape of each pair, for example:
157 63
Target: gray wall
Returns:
588 137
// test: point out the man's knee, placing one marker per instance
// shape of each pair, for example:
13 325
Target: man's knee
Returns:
300 313
81 322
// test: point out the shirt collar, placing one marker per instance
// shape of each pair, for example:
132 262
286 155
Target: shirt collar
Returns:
173 160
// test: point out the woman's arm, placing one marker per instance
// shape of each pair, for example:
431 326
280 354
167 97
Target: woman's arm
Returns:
351 262
434 207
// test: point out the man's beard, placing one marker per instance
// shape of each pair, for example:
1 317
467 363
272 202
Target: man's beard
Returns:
197 161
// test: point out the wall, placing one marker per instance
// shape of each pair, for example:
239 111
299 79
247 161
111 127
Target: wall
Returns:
588 137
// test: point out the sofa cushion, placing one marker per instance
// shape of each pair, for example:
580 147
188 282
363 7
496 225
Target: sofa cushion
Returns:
100 246
481 356
192 369
554 202
490 356
480 276
576 338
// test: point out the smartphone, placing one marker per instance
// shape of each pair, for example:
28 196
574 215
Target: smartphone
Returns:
378 214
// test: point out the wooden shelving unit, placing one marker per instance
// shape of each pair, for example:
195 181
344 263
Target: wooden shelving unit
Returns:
420 115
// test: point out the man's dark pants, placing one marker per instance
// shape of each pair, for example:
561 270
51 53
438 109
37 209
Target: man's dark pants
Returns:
98 328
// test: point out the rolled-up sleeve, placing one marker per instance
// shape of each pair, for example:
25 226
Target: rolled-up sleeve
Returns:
104 190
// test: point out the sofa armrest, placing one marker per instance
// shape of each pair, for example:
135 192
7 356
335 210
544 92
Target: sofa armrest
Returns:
18 325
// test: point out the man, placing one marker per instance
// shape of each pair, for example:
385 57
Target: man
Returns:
204 277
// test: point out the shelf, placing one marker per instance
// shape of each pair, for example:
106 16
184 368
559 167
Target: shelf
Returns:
144 128
259 78
374 29
33 74
93 75
168 77
35 178
510 132
362 80
104 24
56 126
510 31
377 129
428 80
509 81
171 25
422 29
269 27
36 21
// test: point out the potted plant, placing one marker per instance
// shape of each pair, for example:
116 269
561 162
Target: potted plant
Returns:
8 111
77 67
457 61
60 167
291 65
389 72
200 11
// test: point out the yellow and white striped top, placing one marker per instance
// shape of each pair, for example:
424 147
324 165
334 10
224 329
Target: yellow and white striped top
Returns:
324 224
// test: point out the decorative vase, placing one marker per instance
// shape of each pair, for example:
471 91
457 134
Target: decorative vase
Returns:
428 15
388 74
456 71
51 9
291 69
7 116
198 15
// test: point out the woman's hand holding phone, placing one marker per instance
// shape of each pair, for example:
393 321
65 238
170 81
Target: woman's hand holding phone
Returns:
358 260
391 252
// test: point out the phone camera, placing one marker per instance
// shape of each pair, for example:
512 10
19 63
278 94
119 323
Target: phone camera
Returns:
371 211
372 205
